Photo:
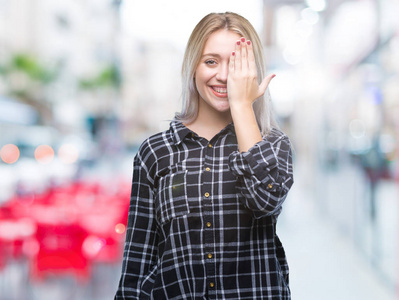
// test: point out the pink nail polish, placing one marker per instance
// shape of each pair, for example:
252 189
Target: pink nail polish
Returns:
249 43
242 39
233 53
238 43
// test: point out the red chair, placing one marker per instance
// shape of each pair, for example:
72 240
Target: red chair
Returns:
105 222
14 233
2 258
60 252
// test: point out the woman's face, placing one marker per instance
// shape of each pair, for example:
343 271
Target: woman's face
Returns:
213 68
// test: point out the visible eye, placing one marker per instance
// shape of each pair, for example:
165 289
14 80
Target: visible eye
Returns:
210 62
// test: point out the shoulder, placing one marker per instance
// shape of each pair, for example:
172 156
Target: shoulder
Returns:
276 136
155 146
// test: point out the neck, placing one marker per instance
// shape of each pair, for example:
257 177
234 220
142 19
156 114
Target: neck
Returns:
209 122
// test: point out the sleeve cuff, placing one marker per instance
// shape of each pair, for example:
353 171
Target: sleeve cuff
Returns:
255 163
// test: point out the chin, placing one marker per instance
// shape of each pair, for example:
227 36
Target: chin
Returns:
223 109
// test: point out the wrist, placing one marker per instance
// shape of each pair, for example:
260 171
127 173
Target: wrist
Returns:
240 106
243 114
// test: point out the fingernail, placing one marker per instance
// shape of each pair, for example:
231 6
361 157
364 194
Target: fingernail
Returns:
233 53
274 75
238 43
242 39
249 42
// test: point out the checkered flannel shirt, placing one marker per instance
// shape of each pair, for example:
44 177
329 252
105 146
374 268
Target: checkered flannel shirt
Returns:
202 218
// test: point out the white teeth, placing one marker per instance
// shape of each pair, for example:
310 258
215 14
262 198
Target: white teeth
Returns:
220 90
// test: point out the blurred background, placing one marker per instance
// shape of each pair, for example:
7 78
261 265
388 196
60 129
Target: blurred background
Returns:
83 83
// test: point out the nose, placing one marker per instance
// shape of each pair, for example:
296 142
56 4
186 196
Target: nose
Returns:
222 73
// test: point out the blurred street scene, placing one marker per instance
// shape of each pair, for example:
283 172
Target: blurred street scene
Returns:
83 83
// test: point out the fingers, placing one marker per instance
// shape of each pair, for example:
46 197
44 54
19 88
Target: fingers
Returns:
244 58
237 57
231 63
244 54
251 56
265 83
243 77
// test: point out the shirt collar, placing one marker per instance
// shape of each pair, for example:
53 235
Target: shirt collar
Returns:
179 131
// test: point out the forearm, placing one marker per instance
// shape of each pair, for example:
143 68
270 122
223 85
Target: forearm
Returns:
264 173
246 126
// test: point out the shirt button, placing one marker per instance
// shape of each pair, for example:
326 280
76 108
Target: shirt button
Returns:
210 145
206 194
207 169
209 255
269 186
211 284
208 224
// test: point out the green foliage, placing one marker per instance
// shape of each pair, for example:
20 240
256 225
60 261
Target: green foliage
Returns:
29 65
107 78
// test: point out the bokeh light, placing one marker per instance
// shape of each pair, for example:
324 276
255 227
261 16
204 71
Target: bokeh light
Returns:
31 247
310 16
92 245
317 5
44 154
9 153
68 153
120 228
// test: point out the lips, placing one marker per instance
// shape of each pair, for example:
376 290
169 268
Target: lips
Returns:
219 91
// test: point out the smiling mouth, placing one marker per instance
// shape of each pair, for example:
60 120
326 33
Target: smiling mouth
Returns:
219 91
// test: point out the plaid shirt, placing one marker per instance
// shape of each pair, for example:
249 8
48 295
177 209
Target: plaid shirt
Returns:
202 218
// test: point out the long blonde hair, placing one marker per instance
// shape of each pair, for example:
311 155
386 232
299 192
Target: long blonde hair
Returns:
196 43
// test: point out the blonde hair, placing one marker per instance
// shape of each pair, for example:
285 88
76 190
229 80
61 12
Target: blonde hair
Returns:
196 43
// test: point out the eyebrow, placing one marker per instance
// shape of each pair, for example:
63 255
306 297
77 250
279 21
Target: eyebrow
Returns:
211 54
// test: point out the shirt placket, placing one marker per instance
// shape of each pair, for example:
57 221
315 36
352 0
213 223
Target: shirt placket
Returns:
209 235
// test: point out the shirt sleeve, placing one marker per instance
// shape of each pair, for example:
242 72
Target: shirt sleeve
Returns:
141 245
265 174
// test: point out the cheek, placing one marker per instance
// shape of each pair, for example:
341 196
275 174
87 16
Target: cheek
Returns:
200 80
203 75
200 85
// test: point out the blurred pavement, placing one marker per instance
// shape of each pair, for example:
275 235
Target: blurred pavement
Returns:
324 264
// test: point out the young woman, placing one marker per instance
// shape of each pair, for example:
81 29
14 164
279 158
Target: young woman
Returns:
207 192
